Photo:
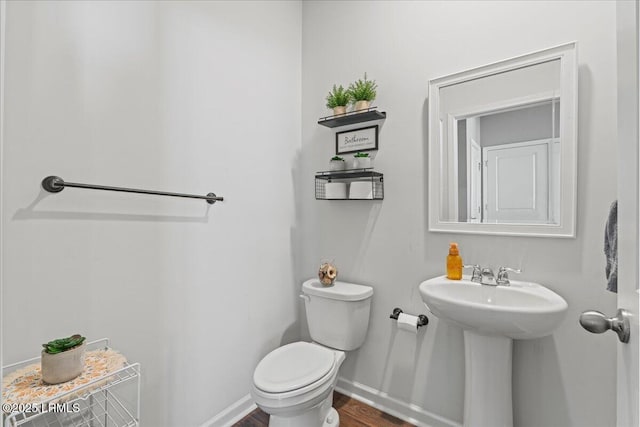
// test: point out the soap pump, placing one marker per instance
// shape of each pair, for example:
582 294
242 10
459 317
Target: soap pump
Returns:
454 263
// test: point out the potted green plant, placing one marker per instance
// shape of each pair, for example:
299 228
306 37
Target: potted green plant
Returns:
337 163
337 100
62 359
361 161
362 92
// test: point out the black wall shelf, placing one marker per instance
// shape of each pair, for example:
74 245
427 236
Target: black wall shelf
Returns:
352 118
372 178
348 174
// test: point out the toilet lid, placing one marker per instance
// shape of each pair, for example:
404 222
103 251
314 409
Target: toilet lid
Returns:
293 366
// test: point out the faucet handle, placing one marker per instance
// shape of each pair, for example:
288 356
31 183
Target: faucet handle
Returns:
476 276
507 269
503 274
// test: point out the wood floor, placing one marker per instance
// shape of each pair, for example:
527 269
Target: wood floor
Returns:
352 414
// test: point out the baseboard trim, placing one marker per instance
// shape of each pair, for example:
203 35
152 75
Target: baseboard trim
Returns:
380 400
410 413
232 413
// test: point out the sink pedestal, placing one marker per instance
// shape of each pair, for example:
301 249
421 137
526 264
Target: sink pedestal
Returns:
492 317
487 380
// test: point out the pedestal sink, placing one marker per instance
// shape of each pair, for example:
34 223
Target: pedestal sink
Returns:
492 317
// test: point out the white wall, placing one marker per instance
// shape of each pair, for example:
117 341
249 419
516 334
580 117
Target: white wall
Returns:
386 244
178 96
525 124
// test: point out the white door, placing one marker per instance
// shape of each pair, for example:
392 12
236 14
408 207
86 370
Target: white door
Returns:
516 182
474 181
628 373
628 210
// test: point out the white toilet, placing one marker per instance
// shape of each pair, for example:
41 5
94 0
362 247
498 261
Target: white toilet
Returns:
294 383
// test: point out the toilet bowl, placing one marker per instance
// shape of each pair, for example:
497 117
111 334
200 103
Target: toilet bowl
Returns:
294 383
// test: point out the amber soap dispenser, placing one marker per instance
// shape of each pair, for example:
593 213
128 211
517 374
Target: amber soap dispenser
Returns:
454 263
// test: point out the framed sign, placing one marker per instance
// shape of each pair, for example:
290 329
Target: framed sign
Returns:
354 140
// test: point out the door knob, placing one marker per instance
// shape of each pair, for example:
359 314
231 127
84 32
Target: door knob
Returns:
597 323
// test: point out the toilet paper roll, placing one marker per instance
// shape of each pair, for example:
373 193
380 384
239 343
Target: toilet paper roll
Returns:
335 190
407 322
361 190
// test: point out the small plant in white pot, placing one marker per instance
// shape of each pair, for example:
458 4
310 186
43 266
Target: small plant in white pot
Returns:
362 92
337 100
62 359
361 161
337 163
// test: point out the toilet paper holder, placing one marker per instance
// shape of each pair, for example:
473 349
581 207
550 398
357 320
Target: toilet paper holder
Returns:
422 319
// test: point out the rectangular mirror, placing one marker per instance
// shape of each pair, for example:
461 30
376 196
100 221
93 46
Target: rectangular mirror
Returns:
502 147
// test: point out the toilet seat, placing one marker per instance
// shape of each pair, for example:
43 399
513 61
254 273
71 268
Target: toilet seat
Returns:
305 396
293 367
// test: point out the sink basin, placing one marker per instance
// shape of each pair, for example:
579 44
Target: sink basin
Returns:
523 310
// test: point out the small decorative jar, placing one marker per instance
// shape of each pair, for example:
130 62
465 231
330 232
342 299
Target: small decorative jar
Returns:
327 273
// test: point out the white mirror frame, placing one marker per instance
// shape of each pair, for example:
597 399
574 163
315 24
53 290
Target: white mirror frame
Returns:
567 54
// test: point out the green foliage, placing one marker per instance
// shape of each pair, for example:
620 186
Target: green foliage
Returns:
361 155
362 90
338 158
63 344
338 97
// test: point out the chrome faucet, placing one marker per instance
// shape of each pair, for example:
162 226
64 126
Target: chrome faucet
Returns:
485 276
488 278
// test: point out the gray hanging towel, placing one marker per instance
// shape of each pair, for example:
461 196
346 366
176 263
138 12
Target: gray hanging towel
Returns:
611 248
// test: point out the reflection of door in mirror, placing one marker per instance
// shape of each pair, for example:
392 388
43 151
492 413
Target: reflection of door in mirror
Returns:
469 171
518 106
508 165
517 182
474 152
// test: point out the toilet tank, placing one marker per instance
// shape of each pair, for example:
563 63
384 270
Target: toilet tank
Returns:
338 315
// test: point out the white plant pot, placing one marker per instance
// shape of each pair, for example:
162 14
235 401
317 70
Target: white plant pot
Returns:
61 367
337 165
361 162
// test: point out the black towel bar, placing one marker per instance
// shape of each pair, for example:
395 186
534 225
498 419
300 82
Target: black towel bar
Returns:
55 184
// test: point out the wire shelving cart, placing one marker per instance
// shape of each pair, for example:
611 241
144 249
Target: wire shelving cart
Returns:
110 400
